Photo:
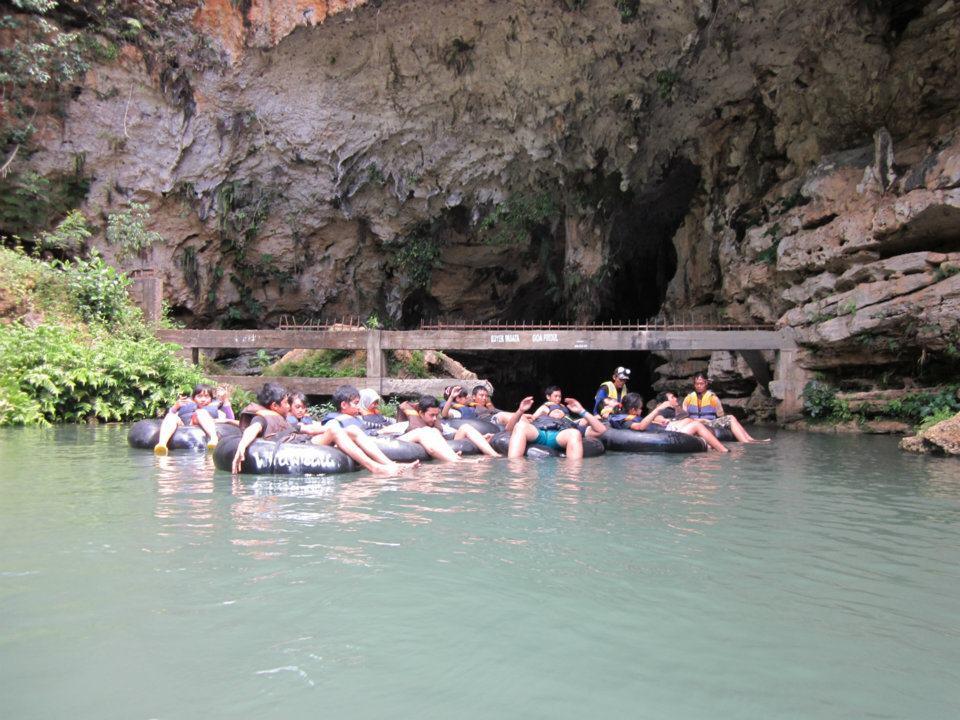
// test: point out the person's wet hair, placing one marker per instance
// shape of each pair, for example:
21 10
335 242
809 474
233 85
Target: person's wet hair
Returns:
632 401
271 393
202 387
426 402
344 394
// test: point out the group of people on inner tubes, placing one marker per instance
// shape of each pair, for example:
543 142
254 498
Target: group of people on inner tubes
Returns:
276 435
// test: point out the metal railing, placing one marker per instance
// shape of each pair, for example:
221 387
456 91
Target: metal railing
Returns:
354 322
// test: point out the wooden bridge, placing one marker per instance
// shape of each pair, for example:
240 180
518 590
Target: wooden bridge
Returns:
786 384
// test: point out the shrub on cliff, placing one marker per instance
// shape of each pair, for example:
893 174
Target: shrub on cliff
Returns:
75 349
53 373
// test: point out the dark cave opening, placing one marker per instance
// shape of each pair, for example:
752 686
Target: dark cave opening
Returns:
579 372
644 259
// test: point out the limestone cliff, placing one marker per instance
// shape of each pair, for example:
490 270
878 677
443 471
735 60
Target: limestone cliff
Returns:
758 160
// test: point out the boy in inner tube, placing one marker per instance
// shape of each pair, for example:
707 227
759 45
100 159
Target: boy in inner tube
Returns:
267 418
425 427
553 428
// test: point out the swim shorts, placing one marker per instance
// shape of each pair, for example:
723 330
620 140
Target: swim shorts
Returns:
548 438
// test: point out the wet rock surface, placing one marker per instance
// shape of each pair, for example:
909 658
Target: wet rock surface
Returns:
941 439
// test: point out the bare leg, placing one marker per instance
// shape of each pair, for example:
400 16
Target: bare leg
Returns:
433 442
474 436
701 431
205 421
740 433
340 438
501 418
168 427
522 434
572 443
370 447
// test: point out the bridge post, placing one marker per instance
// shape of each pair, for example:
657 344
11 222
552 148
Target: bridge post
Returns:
146 290
787 385
376 360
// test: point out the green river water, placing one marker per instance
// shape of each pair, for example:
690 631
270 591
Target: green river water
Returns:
816 577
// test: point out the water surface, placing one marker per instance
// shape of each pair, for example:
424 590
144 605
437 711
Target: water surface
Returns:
814 578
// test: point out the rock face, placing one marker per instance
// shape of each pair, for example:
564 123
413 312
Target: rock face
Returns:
941 439
770 161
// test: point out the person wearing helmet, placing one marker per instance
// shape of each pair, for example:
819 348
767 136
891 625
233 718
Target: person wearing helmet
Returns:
611 393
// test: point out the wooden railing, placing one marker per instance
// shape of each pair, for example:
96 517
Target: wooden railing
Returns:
375 342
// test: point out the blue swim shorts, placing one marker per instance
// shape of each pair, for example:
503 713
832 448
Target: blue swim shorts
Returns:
548 438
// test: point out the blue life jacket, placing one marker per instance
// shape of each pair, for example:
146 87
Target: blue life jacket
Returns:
622 421
344 420
189 409
466 412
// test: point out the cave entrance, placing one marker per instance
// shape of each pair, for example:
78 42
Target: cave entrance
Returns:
579 372
643 259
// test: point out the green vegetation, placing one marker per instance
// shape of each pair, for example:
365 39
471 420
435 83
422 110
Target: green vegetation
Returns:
99 292
413 367
629 9
128 231
918 408
40 59
68 237
242 208
419 255
86 353
937 417
325 363
769 255
666 79
923 409
52 373
945 270
820 402
511 222
375 175
30 203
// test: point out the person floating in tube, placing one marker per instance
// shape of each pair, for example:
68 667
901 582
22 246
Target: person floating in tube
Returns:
611 393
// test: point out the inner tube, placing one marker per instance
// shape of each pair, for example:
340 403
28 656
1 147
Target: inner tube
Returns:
375 422
401 450
592 447
144 435
724 434
633 441
267 457
484 426
464 447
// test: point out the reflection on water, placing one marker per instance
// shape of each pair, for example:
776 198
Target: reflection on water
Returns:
815 577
